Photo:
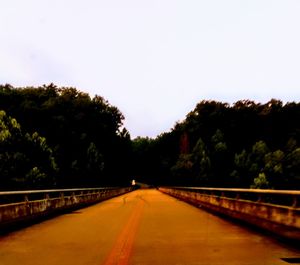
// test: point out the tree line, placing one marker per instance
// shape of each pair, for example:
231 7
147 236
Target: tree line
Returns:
61 137
246 145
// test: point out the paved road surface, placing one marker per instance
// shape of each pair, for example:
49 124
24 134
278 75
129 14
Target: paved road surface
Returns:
140 228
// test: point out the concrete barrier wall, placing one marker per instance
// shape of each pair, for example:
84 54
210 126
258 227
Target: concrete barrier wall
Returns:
282 220
52 202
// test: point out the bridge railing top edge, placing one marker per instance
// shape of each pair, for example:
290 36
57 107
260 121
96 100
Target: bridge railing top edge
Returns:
24 192
237 190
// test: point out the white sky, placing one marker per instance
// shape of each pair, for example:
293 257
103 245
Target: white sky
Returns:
154 59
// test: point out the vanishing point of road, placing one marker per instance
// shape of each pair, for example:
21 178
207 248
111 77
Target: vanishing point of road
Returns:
141 228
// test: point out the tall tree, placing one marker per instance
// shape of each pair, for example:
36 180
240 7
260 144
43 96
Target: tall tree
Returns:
25 159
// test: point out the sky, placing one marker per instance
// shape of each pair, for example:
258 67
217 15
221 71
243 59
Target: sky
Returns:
154 59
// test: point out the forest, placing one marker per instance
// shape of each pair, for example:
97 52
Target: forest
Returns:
55 137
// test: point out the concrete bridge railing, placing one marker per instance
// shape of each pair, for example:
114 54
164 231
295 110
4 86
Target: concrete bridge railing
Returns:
276 211
20 206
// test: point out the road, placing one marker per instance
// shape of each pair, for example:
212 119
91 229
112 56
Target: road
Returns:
140 228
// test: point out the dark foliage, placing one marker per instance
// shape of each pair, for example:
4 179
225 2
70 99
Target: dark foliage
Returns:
86 136
244 145
62 137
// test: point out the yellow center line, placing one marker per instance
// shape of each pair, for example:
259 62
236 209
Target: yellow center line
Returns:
121 251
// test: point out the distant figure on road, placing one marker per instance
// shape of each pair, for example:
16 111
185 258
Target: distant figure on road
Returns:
133 182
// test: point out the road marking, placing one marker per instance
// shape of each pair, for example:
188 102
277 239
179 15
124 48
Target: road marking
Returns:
121 251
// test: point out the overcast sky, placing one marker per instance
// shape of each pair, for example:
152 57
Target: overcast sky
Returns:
154 59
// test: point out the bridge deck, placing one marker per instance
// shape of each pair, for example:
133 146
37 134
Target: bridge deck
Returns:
142 227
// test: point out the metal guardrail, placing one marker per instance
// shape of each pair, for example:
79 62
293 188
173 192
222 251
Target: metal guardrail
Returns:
289 198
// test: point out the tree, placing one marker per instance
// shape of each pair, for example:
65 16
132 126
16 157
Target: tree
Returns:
183 170
95 162
220 160
240 174
201 163
71 120
256 158
261 182
274 168
26 160
239 142
292 169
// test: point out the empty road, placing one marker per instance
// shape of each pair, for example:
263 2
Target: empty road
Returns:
140 228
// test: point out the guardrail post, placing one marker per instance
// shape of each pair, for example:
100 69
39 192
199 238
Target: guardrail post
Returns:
73 197
27 204
259 198
295 202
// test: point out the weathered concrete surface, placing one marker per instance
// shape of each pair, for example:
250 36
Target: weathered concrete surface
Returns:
29 210
141 228
281 220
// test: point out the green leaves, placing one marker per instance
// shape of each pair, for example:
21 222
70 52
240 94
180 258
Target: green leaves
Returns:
95 160
77 140
77 135
261 182
242 145
26 160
